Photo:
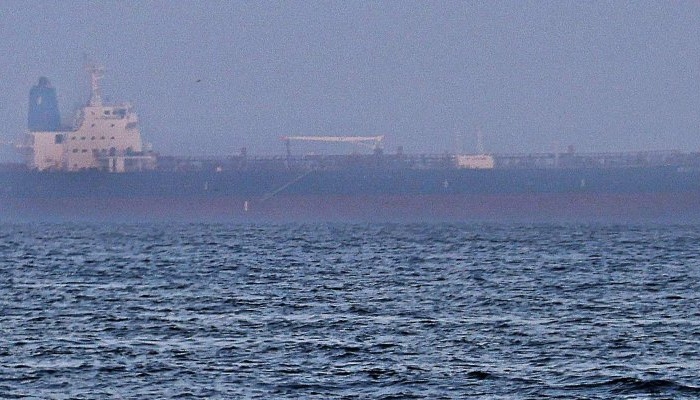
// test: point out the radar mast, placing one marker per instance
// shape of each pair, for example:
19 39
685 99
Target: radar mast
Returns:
96 73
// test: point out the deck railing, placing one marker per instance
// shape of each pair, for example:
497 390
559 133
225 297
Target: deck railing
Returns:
430 161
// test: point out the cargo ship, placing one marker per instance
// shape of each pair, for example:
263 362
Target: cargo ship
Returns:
99 169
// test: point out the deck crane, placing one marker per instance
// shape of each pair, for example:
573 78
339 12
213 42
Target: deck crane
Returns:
362 140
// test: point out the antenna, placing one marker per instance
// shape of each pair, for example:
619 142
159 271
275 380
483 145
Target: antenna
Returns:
480 141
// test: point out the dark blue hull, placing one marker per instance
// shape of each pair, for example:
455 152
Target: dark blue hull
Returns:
362 194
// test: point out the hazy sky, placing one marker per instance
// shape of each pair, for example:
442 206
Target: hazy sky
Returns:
531 75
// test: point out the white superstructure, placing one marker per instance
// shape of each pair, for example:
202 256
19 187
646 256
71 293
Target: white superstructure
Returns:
105 137
475 161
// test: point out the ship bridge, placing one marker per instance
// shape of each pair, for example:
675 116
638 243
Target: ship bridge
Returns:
105 137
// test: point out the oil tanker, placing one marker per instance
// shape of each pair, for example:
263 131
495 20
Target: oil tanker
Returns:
99 169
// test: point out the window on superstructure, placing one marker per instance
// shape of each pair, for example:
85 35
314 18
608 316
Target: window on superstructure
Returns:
112 125
72 138
84 150
106 112
92 138
82 138
58 139
93 125
103 138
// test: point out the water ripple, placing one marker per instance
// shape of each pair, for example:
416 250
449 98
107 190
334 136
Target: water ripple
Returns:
349 311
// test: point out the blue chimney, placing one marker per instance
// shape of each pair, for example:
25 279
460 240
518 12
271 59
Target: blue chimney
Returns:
43 108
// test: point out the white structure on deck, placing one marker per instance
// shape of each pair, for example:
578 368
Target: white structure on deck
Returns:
105 137
475 161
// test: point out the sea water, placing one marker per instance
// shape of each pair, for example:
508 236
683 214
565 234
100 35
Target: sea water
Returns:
349 311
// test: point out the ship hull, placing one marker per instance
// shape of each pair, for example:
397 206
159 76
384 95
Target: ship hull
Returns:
362 195
533 207
677 207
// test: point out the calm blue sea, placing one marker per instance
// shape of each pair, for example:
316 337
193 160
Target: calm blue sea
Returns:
349 311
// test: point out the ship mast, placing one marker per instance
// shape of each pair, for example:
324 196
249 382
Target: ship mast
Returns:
96 73
480 141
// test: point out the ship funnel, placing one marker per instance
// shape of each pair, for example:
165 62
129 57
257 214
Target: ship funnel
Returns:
43 108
